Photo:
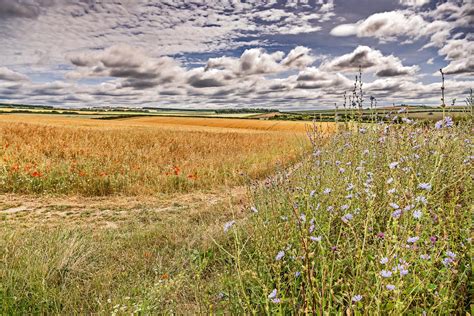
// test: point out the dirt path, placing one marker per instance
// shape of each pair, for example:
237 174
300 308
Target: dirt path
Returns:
112 212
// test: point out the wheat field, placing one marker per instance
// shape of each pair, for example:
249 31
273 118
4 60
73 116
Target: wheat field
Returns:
140 156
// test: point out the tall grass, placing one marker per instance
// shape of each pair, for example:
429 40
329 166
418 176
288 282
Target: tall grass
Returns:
378 221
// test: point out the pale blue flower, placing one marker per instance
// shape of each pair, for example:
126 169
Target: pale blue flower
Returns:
348 217
394 205
392 191
318 239
254 209
417 214
451 254
273 294
413 240
390 287
421 199
397 213
384 260
356 298
228 225
425 257
393 165
425 186
327 191
386 273
280 255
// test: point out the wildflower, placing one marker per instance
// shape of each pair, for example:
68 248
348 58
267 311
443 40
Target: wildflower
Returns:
327 191
349 196
344 207
421 199
390 287
386 273
356 298
284 218
312 193
350 187
451 254
346 218
433 239
397 213
311 228
365 152
303 217
334 248
407 208
384 260
403 271
380 235
417 214
425 186
413 240
280 255
254 209
330 208
447 261
228 225
318 239
273 296
448 121
362 130
425 257
342 170
394 205
393 165
392 191
297 274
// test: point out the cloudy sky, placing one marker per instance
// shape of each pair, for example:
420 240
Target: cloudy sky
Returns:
287 54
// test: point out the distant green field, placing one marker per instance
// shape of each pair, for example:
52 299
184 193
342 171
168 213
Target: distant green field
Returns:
118 113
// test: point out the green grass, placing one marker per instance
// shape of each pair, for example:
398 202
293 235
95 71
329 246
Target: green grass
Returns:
182 263
359 231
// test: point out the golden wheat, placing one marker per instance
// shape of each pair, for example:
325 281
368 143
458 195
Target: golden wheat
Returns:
48 154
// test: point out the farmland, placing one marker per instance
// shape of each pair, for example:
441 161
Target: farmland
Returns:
158 214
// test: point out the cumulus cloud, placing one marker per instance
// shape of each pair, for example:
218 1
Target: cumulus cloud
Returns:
460 54
410 25
258 61
10 75
414 3
131 63
386 26
22 9
371 60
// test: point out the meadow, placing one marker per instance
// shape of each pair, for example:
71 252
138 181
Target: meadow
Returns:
347 219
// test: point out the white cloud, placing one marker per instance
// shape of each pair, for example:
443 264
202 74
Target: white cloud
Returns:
414 3
372 60
460 54
10 75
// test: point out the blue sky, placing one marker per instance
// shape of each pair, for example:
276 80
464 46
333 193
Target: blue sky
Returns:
292 54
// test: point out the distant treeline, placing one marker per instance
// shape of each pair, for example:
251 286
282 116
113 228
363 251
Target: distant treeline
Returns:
29 106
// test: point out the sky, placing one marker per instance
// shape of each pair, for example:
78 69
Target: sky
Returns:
283 54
